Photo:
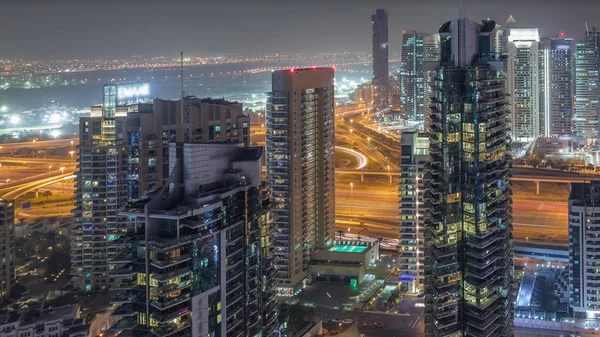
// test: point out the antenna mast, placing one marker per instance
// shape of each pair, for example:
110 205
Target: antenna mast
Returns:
587 32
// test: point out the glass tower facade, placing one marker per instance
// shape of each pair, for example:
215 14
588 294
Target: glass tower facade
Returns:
412 81
587 88
469 261
379 22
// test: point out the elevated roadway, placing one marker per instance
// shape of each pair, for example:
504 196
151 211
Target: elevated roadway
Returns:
23 189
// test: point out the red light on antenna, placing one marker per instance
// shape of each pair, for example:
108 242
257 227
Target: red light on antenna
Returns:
403 32
561 33
292 70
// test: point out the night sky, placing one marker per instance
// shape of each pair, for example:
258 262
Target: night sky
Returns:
68 29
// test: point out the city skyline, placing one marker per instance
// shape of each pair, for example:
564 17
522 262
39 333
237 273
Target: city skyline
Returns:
76 31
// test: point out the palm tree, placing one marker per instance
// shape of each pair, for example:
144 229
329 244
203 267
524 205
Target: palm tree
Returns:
47 194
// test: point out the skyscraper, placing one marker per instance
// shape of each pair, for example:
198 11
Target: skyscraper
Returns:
123 154
300 168
501 37
557 89
587 88
468 264
584 223
192 262
379 22
414 156
7 253
523 83
412 81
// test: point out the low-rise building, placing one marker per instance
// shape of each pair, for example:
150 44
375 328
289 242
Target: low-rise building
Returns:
54 322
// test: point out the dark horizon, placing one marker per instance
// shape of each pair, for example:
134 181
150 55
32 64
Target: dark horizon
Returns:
69 29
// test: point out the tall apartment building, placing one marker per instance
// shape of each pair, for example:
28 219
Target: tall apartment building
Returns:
501 37
379 23
300 168
412 81
363 94
584 224
431 58
587 88
414 155
7 253
468 264
557 73
523 83
123 154
197 259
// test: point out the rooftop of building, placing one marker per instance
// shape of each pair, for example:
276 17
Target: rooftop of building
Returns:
295 70
587 192
34 316
250 154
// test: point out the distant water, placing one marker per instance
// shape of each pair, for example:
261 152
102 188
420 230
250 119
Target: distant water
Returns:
164 83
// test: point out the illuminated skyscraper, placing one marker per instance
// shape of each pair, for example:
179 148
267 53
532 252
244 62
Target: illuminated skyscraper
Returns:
557 86
123 154
412 81
197 259
300 168
379 22
523 83
584 224
414 156
501 37
468 263
587 88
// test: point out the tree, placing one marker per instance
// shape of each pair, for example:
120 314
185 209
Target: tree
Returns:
340 234
46 194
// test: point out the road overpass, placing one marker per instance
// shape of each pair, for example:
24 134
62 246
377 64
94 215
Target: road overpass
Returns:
23 189
559 177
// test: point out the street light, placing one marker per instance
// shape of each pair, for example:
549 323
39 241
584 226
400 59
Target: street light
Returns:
49 168
351 199
62 169
71 145
368 139
71 153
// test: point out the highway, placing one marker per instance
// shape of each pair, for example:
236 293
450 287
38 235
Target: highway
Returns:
30 187
10 147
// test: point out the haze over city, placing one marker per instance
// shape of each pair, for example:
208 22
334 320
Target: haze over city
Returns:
68 29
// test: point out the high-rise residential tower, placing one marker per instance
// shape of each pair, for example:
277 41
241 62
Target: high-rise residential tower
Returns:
197 259
587 88
123 154
7 253
523 83
557 86
468 263
412 81
501 37
584 223
414 156
379 22
300 168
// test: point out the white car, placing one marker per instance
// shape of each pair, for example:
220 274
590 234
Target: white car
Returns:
336 320
347 321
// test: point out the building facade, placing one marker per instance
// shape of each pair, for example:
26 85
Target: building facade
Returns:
414 155
584 222
587 90
192 262
7 254
468 219
557 86
412 81
379 23
523 83
300 168
123 154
